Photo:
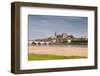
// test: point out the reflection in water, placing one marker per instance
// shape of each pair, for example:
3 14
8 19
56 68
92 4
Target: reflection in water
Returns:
83 46
62 46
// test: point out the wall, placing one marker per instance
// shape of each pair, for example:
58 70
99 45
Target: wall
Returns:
5 33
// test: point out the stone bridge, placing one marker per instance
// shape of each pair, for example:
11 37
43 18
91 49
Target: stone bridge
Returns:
39 43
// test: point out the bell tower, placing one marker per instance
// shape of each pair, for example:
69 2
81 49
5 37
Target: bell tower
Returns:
55 35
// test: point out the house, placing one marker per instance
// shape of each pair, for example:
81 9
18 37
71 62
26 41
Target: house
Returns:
55 39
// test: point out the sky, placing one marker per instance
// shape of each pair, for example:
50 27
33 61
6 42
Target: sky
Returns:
43 26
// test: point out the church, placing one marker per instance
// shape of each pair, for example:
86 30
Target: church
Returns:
55 39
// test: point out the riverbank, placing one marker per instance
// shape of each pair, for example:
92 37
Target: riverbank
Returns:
59 50
50 57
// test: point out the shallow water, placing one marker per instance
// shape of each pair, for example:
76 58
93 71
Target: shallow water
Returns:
83 46
62 46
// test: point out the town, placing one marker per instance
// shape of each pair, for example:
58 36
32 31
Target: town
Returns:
59 39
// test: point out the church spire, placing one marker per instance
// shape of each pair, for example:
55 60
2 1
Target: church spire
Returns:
55 34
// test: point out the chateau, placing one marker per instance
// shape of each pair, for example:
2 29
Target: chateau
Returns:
57 39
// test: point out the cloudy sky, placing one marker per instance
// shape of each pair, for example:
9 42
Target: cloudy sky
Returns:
42 26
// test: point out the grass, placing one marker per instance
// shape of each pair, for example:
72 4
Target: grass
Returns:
50 57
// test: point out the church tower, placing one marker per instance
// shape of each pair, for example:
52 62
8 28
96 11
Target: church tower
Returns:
55 35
